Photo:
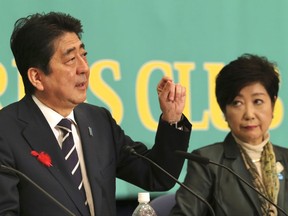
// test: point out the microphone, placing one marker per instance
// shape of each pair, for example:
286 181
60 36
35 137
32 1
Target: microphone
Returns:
7 169
205 161
132 151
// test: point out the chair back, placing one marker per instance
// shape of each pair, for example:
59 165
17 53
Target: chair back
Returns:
163 204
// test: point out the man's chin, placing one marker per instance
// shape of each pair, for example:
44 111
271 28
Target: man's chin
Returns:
77 101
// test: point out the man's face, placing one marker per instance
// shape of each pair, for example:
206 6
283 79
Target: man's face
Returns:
66 85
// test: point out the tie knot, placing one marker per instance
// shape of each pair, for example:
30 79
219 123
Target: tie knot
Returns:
65 124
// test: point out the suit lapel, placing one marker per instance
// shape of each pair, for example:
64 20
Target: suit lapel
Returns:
40 137
238 167
91 145
232 152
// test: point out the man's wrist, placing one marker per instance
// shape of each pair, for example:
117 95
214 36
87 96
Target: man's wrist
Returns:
178 124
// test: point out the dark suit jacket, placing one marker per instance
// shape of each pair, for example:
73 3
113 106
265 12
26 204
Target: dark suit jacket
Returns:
227 195
23 128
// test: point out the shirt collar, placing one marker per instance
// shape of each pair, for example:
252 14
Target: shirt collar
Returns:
255 148
51 116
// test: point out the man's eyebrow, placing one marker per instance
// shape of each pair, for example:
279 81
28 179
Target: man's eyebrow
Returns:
68 51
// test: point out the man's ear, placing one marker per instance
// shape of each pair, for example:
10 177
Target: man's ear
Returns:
35 75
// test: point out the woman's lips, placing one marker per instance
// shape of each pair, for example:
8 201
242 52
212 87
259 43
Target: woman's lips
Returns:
249 127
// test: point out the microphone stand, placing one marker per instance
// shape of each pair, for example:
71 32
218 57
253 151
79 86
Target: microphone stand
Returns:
38 187
132 151
206 161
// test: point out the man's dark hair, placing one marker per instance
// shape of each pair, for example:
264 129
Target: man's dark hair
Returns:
245 70
32 41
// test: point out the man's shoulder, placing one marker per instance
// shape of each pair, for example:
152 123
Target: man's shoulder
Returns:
88 106
90 109
10 108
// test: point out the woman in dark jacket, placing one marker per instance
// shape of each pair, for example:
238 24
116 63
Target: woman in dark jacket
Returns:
246 91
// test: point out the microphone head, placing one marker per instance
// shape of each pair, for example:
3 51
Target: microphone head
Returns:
129 149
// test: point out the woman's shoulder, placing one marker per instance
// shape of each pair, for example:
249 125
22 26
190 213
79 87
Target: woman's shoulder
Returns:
213 151
281 151
219 150
279 148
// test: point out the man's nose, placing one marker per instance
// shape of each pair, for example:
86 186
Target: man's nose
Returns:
82 65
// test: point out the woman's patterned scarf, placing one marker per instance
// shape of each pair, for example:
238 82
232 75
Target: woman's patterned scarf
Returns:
269 184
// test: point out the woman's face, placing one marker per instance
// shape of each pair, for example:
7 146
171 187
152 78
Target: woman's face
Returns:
250 114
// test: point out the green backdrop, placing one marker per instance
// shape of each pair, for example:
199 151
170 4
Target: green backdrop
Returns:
131 44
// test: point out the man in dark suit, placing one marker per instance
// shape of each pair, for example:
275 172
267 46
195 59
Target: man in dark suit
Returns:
52 62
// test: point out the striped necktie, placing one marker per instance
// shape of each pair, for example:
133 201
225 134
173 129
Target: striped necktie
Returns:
70 154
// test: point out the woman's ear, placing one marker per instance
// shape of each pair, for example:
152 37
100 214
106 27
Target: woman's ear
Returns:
274 102
34 76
